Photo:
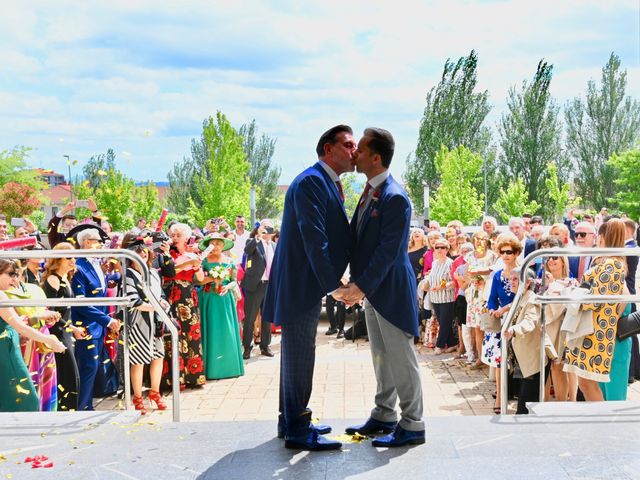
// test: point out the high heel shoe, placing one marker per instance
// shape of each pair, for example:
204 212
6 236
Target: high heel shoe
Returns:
155 397
138 403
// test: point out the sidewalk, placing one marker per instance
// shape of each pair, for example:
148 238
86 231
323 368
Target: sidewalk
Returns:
343 387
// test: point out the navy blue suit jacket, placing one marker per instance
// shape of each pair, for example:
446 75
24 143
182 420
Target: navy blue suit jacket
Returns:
313 248
86 283
529 246
380 261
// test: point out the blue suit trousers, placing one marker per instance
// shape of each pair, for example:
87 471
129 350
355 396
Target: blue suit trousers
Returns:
298 356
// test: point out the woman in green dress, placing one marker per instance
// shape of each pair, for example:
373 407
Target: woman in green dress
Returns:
17 392
220 330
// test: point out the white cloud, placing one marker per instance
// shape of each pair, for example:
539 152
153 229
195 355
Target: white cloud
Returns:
140 76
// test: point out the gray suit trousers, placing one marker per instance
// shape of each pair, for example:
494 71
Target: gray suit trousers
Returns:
397 372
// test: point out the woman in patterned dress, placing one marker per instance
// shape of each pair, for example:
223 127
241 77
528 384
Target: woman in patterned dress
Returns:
592 360
479 267
183 299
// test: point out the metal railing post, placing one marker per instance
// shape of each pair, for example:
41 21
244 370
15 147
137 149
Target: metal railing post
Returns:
125 338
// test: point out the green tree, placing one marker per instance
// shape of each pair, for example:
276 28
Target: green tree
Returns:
223 184
146 202
455 115
603 124
514 201
97 167
182 188
456 198
557 194
530 134
263 175
13 168
114 198
626 167
352 188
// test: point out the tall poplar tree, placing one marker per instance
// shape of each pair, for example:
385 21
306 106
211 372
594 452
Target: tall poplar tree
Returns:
455 115
530 134
606 122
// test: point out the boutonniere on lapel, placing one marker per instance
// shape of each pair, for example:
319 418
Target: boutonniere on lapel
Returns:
374 203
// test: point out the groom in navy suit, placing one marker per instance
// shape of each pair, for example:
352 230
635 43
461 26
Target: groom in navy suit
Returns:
312 256
381 273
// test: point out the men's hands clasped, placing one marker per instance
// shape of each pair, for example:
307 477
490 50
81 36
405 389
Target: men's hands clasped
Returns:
349 294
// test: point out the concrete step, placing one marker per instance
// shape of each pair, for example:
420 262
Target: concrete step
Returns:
108 445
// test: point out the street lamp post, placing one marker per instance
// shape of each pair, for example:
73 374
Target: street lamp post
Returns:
253 206
426 205
70 184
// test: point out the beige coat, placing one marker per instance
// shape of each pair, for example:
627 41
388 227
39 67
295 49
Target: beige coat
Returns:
526 338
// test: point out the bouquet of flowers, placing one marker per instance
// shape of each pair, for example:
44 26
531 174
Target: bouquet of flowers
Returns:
220 274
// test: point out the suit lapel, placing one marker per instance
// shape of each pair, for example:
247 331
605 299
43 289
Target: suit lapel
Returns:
331 185
260 248
366 215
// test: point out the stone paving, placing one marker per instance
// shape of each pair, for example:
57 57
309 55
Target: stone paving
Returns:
344 387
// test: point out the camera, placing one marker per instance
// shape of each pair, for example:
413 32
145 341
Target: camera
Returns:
157 238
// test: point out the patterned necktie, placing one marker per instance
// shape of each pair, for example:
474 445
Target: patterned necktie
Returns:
363 198
340 191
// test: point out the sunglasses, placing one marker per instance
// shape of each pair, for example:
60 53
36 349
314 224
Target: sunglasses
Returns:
554 258
13 274
506 252
442 248
582 234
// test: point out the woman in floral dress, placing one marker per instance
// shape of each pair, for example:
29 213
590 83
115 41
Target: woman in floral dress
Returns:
184 308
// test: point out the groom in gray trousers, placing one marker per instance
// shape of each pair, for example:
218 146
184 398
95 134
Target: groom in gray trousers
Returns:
382 274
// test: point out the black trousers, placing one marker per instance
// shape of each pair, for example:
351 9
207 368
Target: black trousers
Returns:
252 303
530 390
447 333
336 312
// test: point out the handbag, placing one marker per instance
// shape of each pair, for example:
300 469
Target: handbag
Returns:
628 325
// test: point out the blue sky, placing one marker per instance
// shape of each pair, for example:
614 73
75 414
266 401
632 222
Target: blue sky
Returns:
140 76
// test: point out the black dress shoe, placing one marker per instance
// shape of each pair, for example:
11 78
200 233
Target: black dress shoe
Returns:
266 352
331 331
340 334
246 354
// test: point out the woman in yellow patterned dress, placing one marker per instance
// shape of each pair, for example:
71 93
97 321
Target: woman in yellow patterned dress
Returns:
592 361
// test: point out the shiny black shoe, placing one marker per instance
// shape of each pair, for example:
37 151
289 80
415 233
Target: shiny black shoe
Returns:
331 331
318 427
266 352
246 354
399 438
340 334
371 426
313 441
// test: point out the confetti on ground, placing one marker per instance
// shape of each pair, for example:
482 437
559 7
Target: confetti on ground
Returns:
346 438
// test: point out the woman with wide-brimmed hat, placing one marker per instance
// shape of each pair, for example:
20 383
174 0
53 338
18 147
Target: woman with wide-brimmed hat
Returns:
220 332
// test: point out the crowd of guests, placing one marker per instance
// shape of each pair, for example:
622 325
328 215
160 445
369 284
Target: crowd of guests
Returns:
210 282
467 284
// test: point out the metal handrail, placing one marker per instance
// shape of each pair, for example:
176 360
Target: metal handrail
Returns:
545 300
124 301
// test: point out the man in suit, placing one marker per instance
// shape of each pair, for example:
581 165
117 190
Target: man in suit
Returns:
382 274
260 251
89 281
312 255
517 227
585 235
